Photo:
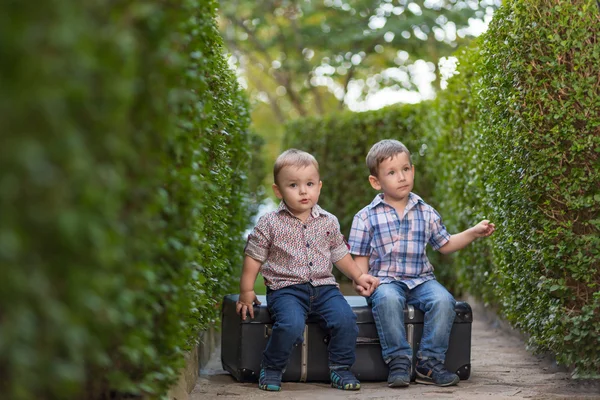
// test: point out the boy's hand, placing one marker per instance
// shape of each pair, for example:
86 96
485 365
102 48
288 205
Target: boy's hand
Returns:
366 284
245 304
483 229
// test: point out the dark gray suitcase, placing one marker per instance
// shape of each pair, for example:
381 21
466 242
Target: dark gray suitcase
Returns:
242 343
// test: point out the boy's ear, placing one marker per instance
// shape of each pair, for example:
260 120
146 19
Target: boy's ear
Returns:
374 182
277 191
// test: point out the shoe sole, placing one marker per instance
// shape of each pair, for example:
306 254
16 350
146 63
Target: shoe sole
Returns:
428 381
347 386
398 383
270 388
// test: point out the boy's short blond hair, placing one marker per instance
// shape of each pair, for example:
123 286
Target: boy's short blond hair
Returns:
293 158
383 150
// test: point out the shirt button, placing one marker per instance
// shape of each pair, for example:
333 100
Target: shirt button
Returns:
307 244
310 263
304 226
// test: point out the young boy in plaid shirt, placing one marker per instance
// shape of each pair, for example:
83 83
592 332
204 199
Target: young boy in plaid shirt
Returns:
388 239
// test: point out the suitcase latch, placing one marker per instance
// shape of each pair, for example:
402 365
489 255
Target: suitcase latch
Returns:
268 330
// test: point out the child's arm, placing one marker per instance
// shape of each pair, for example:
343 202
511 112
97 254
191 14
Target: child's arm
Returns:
247 296
363 264
461 240
360 278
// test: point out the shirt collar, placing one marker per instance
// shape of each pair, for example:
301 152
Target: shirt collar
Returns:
315 212
413 200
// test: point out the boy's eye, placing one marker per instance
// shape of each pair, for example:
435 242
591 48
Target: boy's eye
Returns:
391 173
293 185
310 184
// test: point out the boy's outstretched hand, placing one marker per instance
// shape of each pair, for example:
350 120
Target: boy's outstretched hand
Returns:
245 304
366 284
483 229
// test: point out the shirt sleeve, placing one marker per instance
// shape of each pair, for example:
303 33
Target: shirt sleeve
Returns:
439 235
337 245
360 237
259 240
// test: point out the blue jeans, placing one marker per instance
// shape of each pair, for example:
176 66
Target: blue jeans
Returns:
292 305
388 302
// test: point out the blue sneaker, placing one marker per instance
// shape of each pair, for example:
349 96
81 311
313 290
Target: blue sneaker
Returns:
342 378
269 379
399 375
433 372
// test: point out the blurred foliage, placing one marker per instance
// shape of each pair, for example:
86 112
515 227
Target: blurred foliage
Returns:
514 138
303 58
285 47
124 158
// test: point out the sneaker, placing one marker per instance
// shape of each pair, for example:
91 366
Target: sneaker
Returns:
433 372
269 379
399 375
342 378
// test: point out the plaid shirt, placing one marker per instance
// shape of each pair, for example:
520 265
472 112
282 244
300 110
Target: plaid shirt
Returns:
396 246
293 251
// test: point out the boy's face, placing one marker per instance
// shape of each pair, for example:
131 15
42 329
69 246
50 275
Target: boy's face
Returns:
395 178
299 188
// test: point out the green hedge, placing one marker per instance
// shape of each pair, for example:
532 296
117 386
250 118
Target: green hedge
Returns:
124 156
539 101
515 138
454 166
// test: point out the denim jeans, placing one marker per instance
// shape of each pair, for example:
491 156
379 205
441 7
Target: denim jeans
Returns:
290 307
388 302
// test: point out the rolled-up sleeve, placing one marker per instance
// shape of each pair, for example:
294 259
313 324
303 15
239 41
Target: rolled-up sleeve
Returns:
259 241
439 234
338 246
360 239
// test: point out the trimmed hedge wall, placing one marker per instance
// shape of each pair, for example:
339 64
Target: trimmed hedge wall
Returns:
124 156
539 97
515 138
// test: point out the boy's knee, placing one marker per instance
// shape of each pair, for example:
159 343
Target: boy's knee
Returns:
387 298
345 319
445 299
294 333
291 326
445 303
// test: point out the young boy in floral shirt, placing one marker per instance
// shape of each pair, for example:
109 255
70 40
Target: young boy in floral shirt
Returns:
294 248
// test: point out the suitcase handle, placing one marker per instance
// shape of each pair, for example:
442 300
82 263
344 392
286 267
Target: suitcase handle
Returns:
366 340
359 340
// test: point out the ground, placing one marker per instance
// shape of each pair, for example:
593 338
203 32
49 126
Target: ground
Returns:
501 368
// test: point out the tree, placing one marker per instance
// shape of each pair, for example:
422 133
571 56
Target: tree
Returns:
303 57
